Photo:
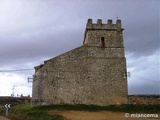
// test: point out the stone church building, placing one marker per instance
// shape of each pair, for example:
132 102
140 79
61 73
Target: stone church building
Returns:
94 73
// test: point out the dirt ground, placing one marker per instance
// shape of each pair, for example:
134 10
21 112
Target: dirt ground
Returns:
100 115
3 118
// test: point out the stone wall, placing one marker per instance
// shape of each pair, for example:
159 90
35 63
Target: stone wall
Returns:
14 100
60 78
144 99
81 76
89 74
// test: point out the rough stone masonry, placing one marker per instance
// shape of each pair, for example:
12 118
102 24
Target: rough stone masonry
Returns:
94 73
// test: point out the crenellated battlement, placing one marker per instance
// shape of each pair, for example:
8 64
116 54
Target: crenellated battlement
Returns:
109 33
99 25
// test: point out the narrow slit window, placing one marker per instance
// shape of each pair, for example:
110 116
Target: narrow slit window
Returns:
102 42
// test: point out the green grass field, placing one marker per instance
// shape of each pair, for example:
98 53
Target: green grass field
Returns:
25 112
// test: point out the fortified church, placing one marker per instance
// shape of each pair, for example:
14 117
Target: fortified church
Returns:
94 73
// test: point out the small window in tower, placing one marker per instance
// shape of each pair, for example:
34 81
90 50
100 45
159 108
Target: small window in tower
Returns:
102 42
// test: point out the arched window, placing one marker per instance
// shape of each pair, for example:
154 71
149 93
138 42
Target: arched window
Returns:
102 42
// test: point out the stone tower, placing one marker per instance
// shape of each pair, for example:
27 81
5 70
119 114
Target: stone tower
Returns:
106 60
94 73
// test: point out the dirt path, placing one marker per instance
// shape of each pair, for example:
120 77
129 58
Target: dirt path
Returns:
3 118
100 115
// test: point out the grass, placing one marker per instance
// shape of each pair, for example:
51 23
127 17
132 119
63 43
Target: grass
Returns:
25 112
114 108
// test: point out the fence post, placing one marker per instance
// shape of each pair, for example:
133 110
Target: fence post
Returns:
7 111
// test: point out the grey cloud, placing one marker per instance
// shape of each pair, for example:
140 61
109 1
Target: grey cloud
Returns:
145 78
143 39
43 44
144 88
140 36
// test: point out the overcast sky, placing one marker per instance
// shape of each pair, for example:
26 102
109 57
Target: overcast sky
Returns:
32 31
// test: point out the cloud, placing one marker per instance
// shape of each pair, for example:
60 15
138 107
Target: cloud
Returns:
145 78
144 88
37 28
19 82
